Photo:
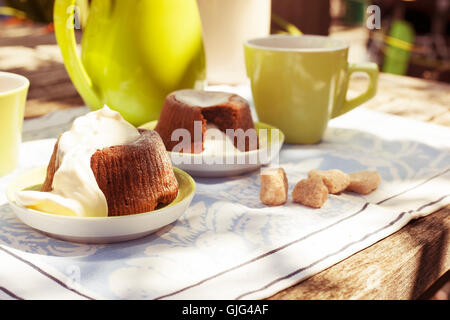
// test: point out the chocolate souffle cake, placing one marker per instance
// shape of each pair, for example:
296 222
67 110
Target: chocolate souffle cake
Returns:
103 167
183 108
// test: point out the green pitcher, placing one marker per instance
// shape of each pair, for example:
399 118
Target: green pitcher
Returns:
134 53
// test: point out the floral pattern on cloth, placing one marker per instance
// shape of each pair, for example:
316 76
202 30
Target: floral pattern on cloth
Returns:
228 245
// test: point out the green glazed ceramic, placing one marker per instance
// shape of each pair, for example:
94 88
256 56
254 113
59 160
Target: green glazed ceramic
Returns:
300 82
13 95
134 53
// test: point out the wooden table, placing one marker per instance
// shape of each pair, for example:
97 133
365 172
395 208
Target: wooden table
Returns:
403 265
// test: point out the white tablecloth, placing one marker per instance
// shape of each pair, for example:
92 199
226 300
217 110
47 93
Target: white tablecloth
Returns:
228 245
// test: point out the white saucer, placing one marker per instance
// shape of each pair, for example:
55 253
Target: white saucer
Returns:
99 230
227 165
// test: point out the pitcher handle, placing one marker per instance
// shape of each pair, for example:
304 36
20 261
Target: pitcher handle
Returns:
63 15
369 68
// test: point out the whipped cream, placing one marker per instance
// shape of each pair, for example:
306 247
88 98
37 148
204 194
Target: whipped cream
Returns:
202 99
75 189
217 143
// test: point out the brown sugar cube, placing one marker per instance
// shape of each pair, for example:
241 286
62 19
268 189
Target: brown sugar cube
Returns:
274 187
311 192
335 180
364 182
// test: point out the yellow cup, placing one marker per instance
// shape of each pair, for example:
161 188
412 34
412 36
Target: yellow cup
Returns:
13 95
299 83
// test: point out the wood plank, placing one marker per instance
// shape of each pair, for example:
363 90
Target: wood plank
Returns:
401 266
409 97
32 52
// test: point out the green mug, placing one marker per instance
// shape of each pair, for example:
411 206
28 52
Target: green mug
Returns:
299 83
133 53
13 95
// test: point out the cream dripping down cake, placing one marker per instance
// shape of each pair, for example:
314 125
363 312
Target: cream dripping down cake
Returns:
214 111
103 166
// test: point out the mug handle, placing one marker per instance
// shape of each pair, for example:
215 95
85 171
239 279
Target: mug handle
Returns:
369 68
63 16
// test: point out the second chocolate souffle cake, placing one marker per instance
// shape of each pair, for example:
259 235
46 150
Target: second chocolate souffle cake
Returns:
210 110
